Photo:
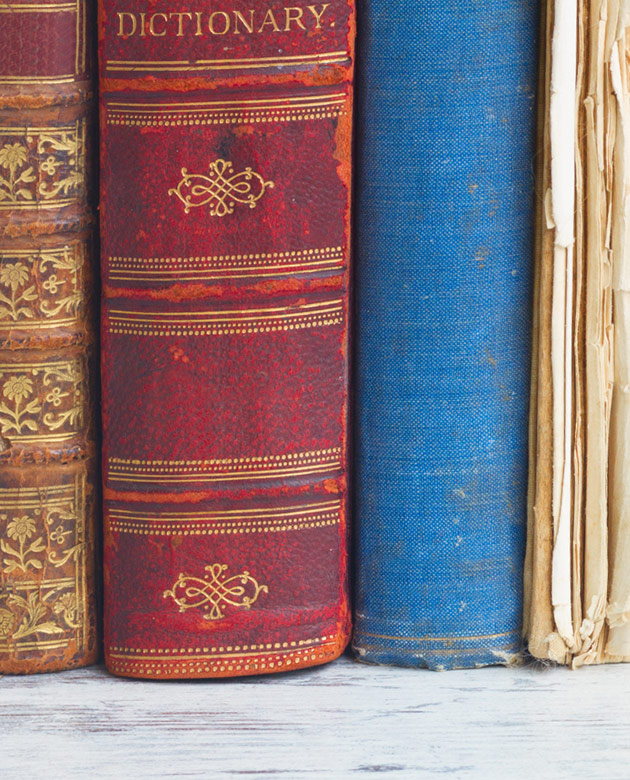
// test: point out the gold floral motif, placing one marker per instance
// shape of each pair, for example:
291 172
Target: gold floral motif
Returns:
42 593
41 166
65 145
7 621
72 263
60 560
222 189
215 591
17 389
35 620
48 400
67 607
58 273
20 530
14 276
14 156
71 375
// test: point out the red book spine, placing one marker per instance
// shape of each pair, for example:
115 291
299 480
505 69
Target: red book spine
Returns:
225 202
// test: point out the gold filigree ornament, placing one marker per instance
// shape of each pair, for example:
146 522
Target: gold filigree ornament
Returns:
215 591
221 189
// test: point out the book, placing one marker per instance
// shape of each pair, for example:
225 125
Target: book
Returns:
49 488
225 203
444 213
577 576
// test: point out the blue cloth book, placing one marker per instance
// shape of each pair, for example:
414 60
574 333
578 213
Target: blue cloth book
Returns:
444 242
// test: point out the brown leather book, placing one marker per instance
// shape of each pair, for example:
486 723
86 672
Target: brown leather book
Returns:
48 463
225 205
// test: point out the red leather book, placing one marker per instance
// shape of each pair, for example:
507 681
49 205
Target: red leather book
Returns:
49 488
225 202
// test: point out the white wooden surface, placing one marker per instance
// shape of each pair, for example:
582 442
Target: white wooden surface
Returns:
342 721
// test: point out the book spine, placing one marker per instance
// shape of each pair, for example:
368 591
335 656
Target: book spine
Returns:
226 137
444 241
48 470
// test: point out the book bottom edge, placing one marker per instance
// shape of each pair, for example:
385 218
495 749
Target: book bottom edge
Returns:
233 666
439 656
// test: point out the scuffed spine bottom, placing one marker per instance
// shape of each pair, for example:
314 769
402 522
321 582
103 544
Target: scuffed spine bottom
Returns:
439 654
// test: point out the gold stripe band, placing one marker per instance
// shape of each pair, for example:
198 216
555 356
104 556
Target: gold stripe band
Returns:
436 638
229 103
227 108
244 514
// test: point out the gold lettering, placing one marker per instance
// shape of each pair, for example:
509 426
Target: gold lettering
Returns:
226 22
269 19
251 20
318 16
152 30
179 15
121 24
238 17
294 15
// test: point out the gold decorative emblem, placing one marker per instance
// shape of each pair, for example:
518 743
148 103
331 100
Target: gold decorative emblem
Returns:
222 189
215 591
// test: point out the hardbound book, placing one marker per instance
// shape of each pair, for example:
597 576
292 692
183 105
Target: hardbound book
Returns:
577 606
444 214
49 487
225 203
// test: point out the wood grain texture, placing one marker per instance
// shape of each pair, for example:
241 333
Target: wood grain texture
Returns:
341 721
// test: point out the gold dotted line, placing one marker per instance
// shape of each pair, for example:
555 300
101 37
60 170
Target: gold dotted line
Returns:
115 470
236 523
229 461
227 119
178 530
160 330
240 648
252 259
199 667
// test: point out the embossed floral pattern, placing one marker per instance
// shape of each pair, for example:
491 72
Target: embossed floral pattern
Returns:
14 156
14 276
50 399
40 594
7 621
56 274
67 607
46 165
20 558
18 388
16 418
21 528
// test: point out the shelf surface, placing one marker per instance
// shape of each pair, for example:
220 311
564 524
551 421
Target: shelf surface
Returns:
344 720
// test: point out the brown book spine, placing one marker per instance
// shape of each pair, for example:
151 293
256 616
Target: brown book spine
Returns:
48 457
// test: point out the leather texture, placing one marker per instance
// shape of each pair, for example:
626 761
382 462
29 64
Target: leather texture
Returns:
444 246
225 203
49 489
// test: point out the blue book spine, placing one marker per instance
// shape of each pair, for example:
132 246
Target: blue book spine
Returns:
444 243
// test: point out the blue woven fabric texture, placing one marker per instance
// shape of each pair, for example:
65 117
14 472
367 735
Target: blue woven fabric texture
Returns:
444 236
